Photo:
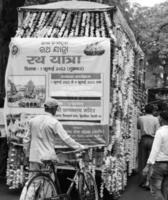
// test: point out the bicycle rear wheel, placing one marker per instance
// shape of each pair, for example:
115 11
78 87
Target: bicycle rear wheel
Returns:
87 187
40 187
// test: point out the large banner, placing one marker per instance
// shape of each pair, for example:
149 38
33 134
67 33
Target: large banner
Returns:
75 71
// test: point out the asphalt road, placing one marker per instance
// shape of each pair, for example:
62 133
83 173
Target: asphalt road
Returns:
132 192
6 194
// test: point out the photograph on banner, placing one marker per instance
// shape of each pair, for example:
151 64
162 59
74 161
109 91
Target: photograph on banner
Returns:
26 91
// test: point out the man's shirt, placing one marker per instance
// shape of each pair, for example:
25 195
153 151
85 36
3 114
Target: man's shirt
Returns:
159 150
148 124
42 135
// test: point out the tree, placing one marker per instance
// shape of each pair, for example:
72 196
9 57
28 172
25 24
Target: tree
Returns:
8 26
151 30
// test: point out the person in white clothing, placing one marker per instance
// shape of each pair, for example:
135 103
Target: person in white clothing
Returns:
43 132
147 124
157 163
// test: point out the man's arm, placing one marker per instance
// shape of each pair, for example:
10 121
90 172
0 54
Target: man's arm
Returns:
153 155
26 141
66 137
155 148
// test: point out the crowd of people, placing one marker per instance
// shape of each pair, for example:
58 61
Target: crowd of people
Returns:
153 150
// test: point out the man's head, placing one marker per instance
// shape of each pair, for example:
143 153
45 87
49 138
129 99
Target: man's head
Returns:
51 105
149 109
164 118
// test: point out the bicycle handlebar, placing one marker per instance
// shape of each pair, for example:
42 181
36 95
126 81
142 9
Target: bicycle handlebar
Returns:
79 150
69 152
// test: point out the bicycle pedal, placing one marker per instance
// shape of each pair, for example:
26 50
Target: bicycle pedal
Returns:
70 179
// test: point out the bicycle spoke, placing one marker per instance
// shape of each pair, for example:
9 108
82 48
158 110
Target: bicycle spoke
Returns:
87 187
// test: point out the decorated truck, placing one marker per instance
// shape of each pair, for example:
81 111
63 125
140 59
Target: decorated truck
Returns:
84 55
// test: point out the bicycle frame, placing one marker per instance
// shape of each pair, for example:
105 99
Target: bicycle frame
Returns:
57 182
72 182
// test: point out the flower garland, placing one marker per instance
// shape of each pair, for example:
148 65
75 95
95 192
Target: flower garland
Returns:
65 24
122 118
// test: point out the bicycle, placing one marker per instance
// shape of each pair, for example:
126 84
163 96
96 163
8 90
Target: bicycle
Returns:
44 187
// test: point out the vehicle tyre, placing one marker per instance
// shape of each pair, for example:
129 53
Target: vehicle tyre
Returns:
87 187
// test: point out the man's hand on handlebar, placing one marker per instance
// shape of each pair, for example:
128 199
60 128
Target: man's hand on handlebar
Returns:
78 150
82 147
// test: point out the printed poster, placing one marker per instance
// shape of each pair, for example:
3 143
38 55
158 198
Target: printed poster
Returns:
75 71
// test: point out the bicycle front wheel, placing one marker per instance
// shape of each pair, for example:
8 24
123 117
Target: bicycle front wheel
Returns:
87 187
40 187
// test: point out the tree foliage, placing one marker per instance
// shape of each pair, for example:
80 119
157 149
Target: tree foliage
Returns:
150 25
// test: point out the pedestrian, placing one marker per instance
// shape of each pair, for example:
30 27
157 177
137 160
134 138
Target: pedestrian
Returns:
41 138
147 125
40 142
157 163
